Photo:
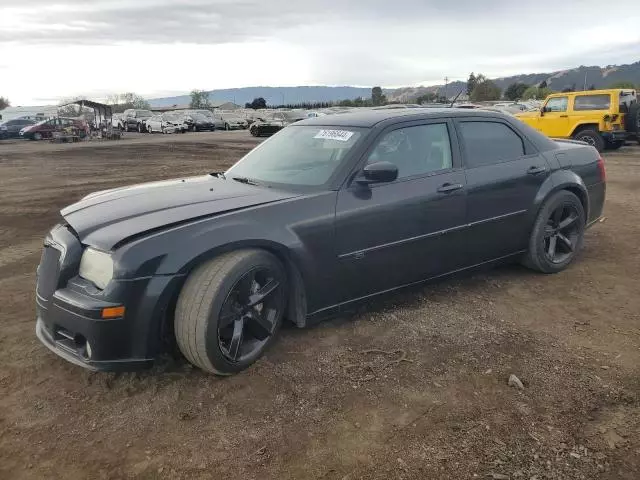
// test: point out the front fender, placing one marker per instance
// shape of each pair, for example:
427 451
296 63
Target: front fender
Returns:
299 232
561 180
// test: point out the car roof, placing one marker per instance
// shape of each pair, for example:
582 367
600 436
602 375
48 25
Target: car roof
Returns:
370 118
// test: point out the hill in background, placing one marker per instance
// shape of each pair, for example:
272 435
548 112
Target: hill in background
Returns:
600 77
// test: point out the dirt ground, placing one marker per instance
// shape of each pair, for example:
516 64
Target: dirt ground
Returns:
333 401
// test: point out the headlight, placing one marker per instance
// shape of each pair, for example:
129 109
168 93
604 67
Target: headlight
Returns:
97 267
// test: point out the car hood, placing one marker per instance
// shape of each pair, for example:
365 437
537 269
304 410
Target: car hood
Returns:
104 219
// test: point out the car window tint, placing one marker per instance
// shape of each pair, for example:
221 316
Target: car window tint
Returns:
557 104
486 143
592 102
415 150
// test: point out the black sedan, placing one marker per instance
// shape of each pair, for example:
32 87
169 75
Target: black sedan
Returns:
11 128
325 214
264 127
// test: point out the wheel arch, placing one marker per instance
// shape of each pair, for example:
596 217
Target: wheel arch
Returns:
561 180
296 311
584 126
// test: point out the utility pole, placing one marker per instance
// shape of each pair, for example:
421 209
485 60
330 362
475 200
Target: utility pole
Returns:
446 81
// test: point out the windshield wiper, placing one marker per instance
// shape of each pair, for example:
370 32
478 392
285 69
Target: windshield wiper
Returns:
246 180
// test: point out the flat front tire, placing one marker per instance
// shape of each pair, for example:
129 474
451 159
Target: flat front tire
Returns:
558 233
230 310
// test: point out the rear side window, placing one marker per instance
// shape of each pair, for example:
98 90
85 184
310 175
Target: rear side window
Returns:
592 102
487 143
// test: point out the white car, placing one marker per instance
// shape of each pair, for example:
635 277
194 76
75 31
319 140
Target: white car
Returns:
154 124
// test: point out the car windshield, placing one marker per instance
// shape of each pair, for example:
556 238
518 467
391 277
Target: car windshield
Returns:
298 156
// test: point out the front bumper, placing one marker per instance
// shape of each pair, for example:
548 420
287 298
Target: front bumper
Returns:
69 311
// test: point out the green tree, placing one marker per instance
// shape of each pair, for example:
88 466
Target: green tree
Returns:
4 103
257 103
622 84
428 97
199 99
377 98
536 93
485 90
122 101
472 81
515 91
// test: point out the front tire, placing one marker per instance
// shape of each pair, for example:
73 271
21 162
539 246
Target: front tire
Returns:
558 233
590 136
614 145
230 310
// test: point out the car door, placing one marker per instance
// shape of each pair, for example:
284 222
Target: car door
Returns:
554 119
392 234
504 172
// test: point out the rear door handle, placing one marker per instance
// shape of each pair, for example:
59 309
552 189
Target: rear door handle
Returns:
449 187
535 170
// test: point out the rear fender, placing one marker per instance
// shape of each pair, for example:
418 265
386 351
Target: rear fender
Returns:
560 180
584 126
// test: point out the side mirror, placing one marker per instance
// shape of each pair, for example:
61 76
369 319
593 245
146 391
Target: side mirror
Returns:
542 111
378 172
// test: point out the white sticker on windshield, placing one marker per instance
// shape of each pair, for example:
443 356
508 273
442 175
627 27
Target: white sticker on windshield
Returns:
340 135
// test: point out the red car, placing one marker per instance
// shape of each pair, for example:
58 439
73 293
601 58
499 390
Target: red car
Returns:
45 128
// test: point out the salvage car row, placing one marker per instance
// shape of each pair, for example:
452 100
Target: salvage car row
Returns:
178 121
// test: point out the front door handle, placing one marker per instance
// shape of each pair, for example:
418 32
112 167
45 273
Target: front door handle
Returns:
535 170
564 116
449 187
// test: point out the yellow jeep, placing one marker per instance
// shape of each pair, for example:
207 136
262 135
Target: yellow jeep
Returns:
593 116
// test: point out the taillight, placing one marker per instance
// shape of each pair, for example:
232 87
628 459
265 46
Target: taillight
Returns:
601 169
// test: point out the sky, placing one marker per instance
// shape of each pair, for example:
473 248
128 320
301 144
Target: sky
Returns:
56 49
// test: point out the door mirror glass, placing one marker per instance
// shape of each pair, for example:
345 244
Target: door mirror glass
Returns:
379 172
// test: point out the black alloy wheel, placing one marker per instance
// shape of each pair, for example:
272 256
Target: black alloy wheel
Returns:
590 137
557 234
230 310
561 233
248 316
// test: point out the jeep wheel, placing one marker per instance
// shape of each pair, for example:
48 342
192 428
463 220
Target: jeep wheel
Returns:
558 233
230 310
592 137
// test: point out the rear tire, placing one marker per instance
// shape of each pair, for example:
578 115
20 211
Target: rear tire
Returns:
590 136
558 233
225 319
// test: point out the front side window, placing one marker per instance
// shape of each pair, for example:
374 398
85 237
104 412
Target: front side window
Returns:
557 104
592 102
487 143
415 150
298 156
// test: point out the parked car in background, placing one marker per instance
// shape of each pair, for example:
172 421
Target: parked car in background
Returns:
154 124
173 122
596 117
11 128
230 121
275 122
328 213
197 122
46 128
117 121
133 119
